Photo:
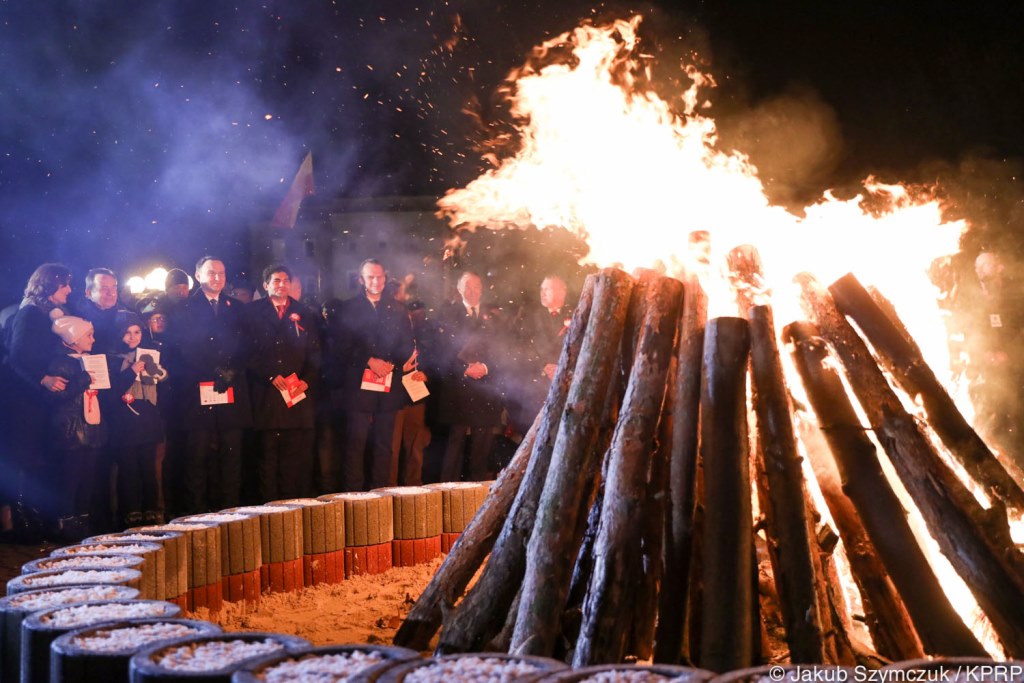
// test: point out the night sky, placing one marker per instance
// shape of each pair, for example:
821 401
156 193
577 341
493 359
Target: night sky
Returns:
133 133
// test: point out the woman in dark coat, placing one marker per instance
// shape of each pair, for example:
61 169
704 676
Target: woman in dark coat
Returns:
31 346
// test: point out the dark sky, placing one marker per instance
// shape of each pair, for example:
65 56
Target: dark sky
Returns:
136 132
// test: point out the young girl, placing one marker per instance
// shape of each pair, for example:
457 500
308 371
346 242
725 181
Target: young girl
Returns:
77 430
137 425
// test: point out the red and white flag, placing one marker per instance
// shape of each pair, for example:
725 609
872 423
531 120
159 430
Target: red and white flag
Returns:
301 188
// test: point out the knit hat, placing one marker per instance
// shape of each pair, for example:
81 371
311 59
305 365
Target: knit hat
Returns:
175 276
71 328
151 307
125 319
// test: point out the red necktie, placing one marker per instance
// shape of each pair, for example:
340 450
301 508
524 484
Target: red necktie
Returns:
280 311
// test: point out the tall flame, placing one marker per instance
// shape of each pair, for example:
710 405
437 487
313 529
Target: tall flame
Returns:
604 156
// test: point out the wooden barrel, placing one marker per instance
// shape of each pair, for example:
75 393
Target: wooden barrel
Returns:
280 545
153 569
97 576
459 502
101 653
240 553
203 578
475 667
417 522
39 630
210 659
350 663
14 609
176 559
323 539
369 530
625 673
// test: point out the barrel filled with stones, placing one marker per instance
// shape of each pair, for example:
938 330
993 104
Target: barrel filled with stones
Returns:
369 531
350 663
630 673
14 609
176 558
240 553
416 513
39 630
323 539
151 584
459 502
49 564
280 545
96 576
208 659
472 668
102 653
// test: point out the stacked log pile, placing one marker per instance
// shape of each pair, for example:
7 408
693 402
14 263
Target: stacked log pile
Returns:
662 430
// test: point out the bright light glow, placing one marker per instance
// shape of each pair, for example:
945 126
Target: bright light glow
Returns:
136 285
155 279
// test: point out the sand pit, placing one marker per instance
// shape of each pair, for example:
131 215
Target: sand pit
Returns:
362 609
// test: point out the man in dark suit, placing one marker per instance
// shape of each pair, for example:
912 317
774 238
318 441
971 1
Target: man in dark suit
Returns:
470 400
540 333
100 307
214 393
371 343
286 342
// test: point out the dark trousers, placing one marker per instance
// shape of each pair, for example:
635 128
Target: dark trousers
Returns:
173 478
213 470
136 479
411 438
327 467
286 464
480 441
76 471
103 494
377 431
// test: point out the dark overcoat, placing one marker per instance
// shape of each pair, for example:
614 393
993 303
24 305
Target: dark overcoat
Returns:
282 346
210 346
462 340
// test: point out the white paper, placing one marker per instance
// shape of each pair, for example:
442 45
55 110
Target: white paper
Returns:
373 383
96 366
209 397
416 389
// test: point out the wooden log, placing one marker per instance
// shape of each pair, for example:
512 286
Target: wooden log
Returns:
547 575
785 514
977 544
903 358
726 618
679 519
940 628
618 550
746 276
885 614
481 613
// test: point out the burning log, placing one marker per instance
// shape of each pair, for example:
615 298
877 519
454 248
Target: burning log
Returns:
785 512
884 612
940 628
903 358
976 543
481 614
479 537
682 471
726 618
617 551
546 580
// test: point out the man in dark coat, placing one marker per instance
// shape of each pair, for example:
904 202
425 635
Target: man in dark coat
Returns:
540 333
470 401
286 342
214 396
371 343
100 307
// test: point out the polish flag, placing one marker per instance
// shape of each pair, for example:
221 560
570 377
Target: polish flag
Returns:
301 188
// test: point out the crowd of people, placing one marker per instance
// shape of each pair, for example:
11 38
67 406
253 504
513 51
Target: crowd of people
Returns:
120 411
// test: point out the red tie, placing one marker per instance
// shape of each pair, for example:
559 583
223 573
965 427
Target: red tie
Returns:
280 311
